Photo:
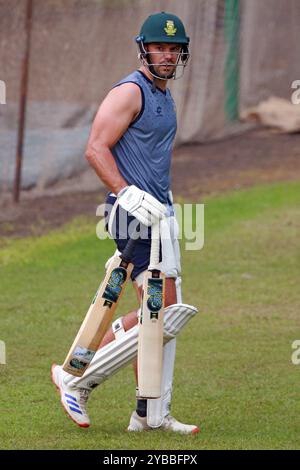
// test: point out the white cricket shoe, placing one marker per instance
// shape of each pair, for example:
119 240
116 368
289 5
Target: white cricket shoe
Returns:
72 399
171 424
138 424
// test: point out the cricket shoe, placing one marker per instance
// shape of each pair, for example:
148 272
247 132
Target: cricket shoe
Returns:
72 399
171 424
137 424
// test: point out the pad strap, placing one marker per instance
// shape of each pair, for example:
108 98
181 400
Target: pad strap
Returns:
118 328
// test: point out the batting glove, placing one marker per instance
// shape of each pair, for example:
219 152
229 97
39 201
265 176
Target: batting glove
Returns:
144 207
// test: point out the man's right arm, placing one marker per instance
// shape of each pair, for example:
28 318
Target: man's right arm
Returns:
117 111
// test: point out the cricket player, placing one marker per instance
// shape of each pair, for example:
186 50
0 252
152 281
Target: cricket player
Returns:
130 149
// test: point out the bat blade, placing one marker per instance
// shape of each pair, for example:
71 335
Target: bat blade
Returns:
150 340
101 312
98 318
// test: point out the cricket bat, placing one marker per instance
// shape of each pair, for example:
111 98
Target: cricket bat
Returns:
100 313
150 338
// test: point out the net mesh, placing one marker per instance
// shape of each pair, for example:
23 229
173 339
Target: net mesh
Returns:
80 48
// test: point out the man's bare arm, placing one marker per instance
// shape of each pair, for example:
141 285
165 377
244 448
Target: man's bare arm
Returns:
119 108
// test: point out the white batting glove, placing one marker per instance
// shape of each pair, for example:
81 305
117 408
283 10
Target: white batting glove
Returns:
144 207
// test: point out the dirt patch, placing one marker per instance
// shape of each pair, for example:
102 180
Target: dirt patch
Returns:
253 158
243 161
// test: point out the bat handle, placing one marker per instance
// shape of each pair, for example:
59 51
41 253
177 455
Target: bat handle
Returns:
155 246
129 248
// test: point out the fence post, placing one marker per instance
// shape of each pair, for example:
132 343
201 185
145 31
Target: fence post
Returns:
23 99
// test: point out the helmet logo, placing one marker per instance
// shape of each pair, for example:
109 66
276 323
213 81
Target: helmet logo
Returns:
170 28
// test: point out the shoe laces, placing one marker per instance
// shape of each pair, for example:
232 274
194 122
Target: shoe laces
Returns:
84 395
169 420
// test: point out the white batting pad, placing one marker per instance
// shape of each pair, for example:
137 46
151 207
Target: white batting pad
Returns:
170 264
117 354
116 253
158 408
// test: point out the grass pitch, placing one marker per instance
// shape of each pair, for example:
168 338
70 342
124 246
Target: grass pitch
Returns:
234 376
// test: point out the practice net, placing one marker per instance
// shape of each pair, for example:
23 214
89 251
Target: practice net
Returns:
241 52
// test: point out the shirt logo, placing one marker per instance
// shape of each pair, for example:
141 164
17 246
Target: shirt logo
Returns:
170 28
158 111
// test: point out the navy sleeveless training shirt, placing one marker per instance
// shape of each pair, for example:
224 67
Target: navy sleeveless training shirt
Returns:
143 153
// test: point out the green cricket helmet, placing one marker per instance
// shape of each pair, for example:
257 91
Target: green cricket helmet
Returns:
163 28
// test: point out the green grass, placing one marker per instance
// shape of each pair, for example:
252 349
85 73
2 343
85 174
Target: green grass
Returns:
234 375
